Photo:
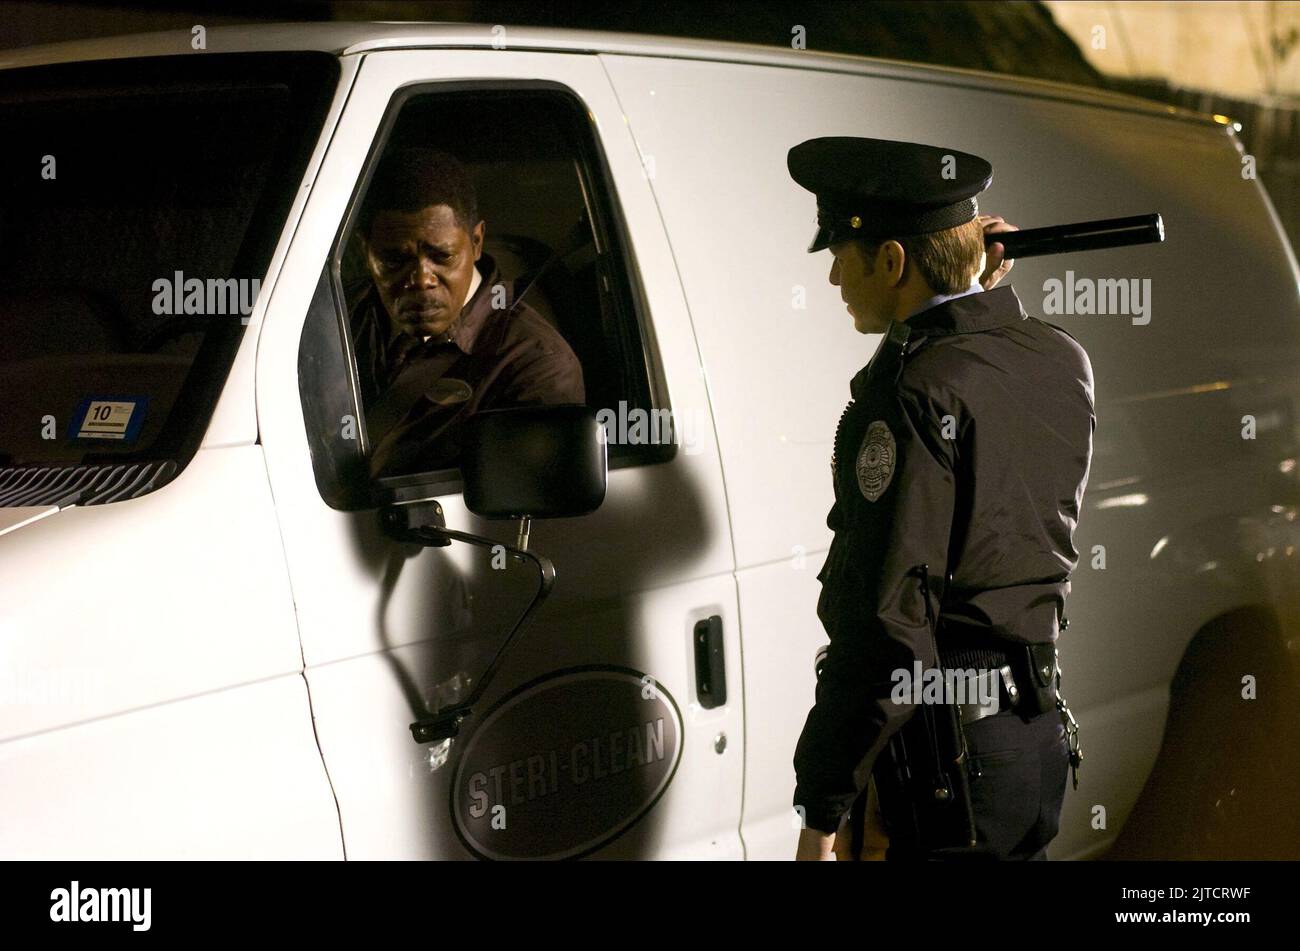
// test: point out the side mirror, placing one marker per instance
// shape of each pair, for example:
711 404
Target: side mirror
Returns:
518 463
534 462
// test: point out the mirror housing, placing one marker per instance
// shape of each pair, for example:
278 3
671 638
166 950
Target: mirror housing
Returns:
534 462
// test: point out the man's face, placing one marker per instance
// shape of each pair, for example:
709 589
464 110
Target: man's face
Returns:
868 285
422 263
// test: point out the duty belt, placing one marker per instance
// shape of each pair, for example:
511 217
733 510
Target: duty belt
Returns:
1006 695
1027 682
990 662
1040 695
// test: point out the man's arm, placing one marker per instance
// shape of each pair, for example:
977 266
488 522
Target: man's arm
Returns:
908 525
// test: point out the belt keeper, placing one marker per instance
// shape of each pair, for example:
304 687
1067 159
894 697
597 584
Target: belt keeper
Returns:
1009 682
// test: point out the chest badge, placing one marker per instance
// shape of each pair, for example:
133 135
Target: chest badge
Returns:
448 391
876 460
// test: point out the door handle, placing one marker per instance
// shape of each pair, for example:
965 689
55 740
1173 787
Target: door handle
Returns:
710 668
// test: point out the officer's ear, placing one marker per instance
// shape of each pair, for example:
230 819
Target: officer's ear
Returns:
892 260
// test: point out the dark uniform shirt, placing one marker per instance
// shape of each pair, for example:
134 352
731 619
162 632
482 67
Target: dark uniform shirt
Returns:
966 448
416 393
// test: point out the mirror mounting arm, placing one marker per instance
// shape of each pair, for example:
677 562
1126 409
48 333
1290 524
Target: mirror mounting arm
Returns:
423 523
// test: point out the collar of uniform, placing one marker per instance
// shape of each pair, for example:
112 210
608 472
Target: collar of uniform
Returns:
970 313
889 353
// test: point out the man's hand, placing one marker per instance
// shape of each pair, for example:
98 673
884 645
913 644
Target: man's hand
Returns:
815 846
996 267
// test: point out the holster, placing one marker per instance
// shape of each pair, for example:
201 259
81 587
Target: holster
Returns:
923 784
1038 671
921 776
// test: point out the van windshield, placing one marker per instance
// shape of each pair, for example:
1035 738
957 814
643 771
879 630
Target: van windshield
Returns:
140 206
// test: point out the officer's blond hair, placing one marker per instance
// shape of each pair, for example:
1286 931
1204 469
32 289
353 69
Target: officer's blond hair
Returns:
947 260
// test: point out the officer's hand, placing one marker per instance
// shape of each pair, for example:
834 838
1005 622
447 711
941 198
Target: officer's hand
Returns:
844 843
996 267
875 840
815 846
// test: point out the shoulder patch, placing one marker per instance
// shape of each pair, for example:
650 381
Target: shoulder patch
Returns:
876 458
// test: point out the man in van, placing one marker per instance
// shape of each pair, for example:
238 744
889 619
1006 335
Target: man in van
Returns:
437 332
959 470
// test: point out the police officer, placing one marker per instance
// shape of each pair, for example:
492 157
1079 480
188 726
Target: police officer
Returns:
959 469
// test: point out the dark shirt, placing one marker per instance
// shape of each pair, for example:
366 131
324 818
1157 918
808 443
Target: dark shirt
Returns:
966 448
416 394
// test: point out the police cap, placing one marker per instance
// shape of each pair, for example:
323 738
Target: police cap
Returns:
878 188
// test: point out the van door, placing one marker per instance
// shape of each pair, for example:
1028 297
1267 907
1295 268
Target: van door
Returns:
614 725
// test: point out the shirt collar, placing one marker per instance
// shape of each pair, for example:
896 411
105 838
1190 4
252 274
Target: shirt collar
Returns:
937 299
474 282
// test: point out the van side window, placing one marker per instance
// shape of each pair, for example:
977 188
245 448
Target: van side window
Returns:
410 332
136 231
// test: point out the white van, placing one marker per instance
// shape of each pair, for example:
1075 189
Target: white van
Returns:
210 646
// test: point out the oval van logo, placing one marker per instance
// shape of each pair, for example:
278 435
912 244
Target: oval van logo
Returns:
565 764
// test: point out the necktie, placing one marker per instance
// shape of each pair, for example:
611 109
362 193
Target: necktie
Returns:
400 353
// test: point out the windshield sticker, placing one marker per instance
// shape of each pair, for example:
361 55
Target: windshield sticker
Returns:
118 418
